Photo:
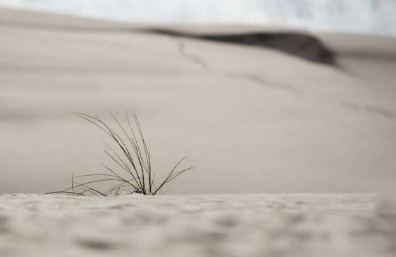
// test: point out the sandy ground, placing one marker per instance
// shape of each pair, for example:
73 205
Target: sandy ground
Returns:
265 120
202 225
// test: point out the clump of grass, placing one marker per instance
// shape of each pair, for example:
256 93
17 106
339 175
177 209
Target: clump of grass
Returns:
133 159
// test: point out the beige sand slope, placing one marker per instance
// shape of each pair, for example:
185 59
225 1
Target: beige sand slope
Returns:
251 119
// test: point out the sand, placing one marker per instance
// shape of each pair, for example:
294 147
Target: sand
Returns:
201 225
266 120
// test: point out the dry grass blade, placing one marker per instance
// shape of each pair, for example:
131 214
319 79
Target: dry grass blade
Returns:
133 158
173 174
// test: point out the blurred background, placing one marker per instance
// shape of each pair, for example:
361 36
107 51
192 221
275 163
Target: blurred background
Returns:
263 118
357 16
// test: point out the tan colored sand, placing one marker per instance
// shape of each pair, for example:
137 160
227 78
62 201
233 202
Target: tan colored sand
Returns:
251 120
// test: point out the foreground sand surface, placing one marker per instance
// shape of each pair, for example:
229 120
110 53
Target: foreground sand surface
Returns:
204 225
265 120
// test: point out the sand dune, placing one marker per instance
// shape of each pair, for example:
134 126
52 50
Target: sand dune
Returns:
266 120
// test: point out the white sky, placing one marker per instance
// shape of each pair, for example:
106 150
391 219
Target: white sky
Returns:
360 16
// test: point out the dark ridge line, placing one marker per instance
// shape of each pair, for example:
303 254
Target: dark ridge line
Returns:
380 111
193 58
263 82
301 45
368 108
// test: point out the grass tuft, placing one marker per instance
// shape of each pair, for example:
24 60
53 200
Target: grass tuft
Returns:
134 173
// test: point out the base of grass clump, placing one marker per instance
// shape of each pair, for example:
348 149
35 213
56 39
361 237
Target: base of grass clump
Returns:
131 156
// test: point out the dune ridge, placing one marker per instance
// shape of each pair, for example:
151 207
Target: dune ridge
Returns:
301 45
